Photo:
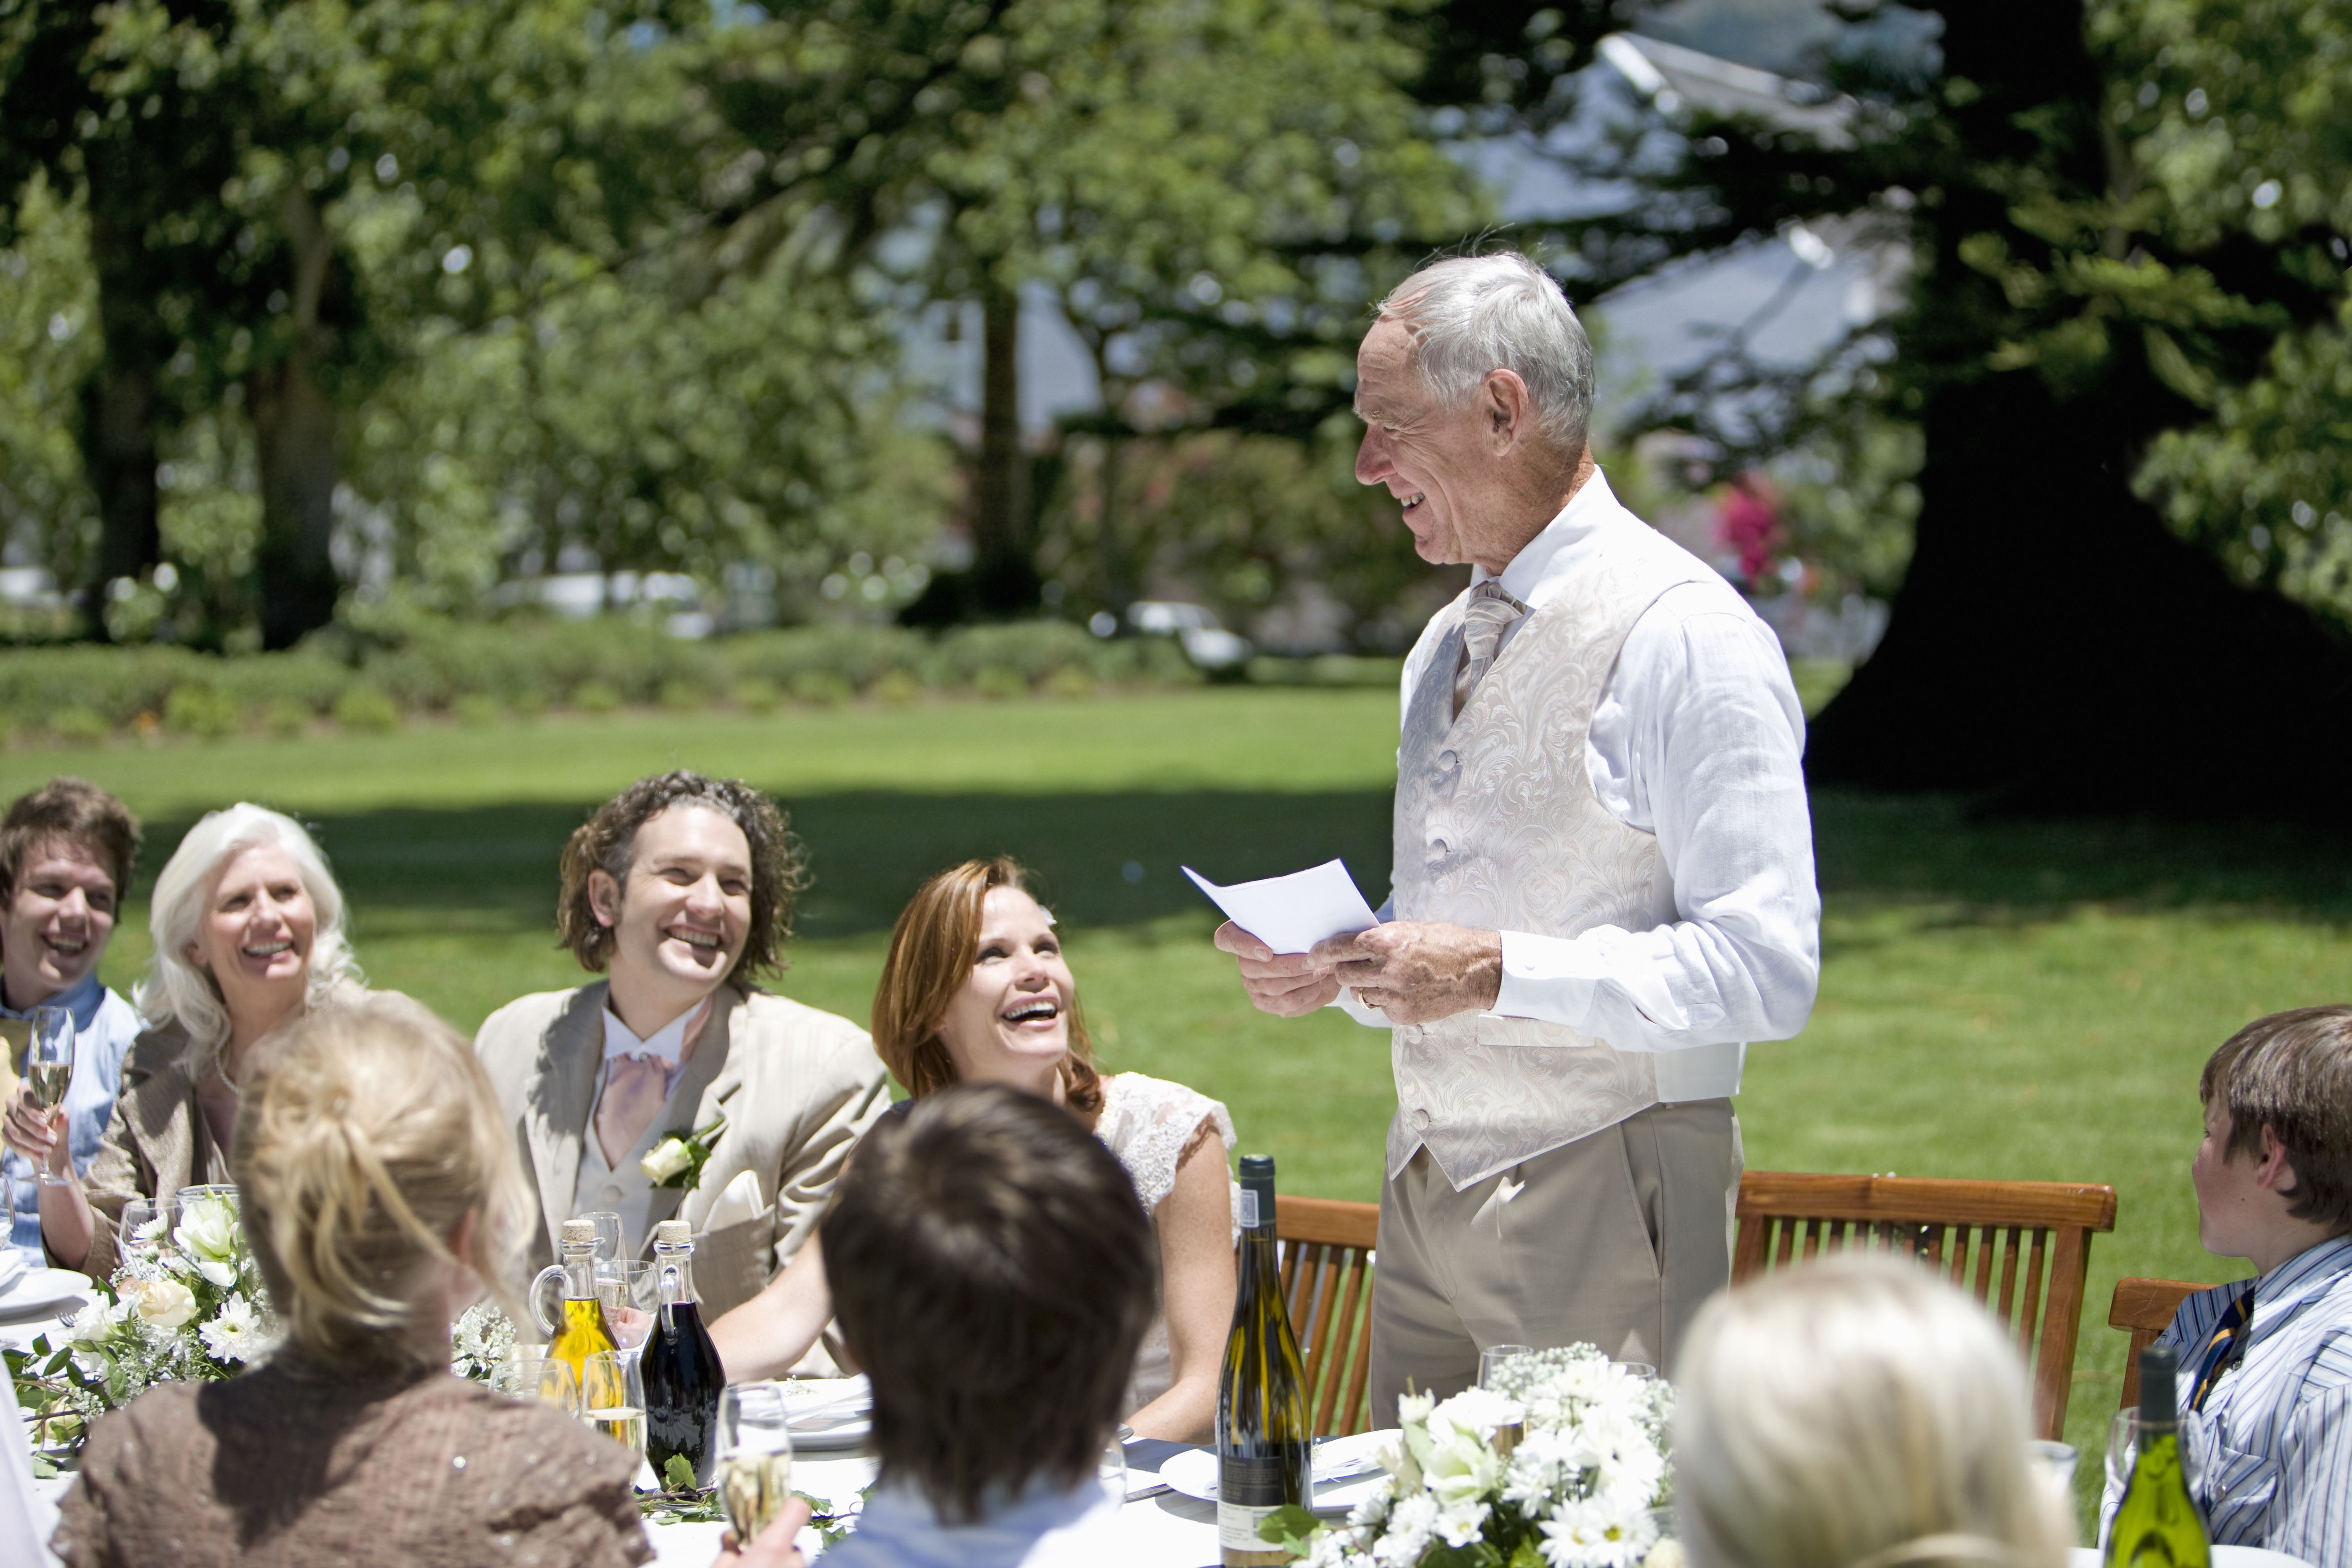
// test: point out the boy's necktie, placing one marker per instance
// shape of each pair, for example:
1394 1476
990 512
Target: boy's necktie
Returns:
2227 1346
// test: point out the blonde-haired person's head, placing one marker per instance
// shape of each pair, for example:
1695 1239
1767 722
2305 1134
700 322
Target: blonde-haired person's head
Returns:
176 987
367 1137
1857 1413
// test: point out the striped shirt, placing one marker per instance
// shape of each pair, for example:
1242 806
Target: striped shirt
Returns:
2271 1453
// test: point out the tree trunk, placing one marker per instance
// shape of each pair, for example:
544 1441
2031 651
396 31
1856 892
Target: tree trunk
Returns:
120 416
294 431
2053 644
1004 577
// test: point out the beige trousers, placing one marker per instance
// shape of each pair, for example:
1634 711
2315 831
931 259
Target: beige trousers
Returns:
1612 1240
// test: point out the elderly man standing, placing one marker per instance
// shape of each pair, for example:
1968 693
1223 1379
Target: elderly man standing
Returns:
1604 878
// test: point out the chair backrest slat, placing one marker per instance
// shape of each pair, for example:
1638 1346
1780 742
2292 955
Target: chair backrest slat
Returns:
2044 1225
1326 1248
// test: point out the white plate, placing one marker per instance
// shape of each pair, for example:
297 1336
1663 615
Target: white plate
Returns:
828 1413
1346 1471
45 1292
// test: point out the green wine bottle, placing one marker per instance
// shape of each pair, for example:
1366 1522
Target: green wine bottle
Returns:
1262 1438
2158 1524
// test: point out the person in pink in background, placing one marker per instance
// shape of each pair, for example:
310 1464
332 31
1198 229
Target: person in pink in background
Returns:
1747 523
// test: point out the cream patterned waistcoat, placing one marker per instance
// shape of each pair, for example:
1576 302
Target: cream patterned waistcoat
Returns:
1497 829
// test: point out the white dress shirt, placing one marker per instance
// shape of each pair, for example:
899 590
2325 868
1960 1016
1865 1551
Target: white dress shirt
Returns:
1699 739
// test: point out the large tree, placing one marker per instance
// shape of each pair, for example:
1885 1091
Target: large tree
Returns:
2122 216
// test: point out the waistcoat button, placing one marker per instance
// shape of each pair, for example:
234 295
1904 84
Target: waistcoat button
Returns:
1446 759
1421 1119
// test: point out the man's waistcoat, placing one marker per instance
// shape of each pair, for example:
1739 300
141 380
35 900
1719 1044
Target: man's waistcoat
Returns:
1497 829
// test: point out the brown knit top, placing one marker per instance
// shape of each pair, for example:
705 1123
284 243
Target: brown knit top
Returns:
281 1469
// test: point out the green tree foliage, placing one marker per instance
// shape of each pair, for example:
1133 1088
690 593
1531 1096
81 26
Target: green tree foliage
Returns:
48 343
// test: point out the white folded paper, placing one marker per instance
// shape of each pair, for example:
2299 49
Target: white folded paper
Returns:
1291 914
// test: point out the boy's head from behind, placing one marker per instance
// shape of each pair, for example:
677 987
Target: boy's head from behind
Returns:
2278 1149
994 1272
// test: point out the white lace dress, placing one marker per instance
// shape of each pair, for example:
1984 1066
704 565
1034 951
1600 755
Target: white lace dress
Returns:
1149 1123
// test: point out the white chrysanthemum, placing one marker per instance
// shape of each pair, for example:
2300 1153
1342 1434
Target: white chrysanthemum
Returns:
1535 1469
236 1332
1410 1528
1626 1463
1596 1534
1461 1523
1373 1509
1336 1549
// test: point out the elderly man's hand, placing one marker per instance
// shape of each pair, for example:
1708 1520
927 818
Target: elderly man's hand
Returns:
1417 972
1286 984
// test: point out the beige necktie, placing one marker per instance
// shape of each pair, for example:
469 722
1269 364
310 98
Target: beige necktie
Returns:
635 1089
1490 611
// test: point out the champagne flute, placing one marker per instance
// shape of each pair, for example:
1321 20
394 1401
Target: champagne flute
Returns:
627 1290
755 1455
49 1072
608 1235
542 1378
613 1398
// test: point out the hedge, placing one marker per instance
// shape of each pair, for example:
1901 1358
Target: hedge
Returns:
479 672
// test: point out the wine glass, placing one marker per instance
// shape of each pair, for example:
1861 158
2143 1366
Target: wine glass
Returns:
2122 1446
755 1457
545 1379
613 1398
1111 1468
627 1290
608 1235
1492 1359
145 1226
48 1069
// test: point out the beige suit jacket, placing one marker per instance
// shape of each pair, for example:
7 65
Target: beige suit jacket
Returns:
798 1089
156 1142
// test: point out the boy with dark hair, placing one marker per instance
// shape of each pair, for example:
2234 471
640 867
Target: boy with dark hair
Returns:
993 1271
2266 1363
67 854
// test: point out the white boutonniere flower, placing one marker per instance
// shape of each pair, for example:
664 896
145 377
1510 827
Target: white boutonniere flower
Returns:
678 1162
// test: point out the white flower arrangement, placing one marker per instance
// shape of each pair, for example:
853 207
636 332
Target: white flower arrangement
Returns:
1558 1465
187 1307
480 1339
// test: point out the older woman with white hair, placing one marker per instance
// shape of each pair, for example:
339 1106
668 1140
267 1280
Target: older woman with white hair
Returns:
1858 1413
249 931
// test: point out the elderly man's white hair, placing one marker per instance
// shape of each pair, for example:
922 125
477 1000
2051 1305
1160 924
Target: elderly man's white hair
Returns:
1473 314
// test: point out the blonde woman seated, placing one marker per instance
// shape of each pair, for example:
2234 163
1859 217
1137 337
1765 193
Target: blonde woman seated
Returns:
1858 1413
976 990
248 932
380 1190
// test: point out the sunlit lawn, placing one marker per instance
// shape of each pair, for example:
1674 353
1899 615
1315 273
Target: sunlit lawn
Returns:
1998 999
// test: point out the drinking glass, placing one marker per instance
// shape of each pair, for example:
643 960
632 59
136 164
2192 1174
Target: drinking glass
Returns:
2122 1446
755 1457
48 1068
627 1292
145 1226
1111 1468
223 1190
1491 1359
549 1381
608 1235
613 1398
2055 1461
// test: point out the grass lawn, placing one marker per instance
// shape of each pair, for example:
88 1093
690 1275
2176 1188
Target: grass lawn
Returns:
2000 999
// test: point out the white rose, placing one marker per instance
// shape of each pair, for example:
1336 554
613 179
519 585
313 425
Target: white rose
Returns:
163 1303
90 1326
208 1229
668 1158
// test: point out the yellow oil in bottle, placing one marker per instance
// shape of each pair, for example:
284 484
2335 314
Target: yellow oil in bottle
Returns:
584 1333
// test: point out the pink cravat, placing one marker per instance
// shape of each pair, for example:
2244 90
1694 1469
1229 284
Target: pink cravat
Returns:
635 1089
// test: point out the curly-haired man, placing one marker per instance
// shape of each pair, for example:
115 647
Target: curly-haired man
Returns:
680 889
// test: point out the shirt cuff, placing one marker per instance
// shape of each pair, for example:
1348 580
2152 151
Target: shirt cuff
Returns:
1371 1018
1557 980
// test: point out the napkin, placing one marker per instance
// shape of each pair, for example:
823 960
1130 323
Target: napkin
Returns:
15 1264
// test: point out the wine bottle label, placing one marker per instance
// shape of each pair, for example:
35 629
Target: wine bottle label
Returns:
1237 1526
1249 1209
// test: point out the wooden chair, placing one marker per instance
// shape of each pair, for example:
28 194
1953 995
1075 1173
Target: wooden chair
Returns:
2145 1307
1325 1247
2044 1226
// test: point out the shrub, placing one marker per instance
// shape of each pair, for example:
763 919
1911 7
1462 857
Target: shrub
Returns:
79 726
758 694
285 717
477 712
821 689
205 712
897 688
1070 681
995 680
685 695
596 696
367 708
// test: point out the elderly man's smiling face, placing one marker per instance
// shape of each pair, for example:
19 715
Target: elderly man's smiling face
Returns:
1445 466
